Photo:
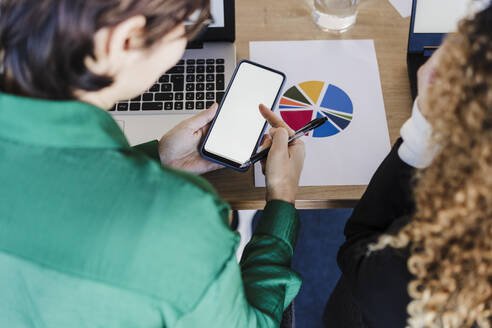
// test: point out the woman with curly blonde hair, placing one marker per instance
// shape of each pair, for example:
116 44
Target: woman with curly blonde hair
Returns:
419 244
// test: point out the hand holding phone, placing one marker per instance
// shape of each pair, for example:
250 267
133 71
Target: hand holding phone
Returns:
179 148
238 126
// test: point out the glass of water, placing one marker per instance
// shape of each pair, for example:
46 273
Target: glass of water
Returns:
335 15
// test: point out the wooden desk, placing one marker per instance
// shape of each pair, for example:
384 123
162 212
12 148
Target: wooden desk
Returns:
270 20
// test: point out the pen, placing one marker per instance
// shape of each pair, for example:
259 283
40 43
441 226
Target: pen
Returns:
316 123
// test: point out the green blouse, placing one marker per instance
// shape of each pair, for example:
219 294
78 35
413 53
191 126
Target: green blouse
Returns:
94 233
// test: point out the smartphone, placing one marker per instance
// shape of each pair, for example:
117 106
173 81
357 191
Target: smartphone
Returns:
237 129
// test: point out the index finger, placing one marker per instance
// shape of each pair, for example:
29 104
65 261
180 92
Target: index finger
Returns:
274 120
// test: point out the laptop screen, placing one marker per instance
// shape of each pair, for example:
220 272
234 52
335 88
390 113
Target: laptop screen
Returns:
223 26
442 16
217 10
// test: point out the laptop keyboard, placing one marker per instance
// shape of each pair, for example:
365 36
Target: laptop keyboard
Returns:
194 84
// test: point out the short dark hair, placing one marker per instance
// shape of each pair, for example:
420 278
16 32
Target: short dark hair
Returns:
43 43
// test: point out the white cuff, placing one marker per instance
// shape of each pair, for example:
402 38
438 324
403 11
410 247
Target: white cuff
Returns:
417 149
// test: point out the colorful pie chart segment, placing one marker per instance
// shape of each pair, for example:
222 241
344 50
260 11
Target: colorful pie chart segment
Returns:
294 94
297 118
312 89
315 99
326 130
335 98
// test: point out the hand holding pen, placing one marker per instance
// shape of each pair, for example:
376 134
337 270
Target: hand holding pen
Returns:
293 136
284 164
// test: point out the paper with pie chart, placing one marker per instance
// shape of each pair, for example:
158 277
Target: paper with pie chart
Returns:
337 79
309 100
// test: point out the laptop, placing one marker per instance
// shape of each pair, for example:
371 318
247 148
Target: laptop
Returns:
431 21
193 85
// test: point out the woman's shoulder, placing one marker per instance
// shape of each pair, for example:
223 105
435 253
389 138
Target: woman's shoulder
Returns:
165 198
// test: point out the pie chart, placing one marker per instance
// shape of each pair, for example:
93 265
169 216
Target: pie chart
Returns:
306 101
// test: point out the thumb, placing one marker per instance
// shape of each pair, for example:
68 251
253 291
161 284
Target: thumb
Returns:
280 143
199 121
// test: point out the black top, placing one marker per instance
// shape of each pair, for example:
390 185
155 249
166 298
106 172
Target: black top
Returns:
377 282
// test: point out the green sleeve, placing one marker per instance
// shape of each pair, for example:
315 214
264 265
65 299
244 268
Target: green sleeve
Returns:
280 219
150 149
254 294
267 259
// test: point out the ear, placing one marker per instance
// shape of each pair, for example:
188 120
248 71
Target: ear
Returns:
112 45
126 36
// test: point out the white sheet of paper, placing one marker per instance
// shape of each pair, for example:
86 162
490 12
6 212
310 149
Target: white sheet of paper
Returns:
346 79
404 7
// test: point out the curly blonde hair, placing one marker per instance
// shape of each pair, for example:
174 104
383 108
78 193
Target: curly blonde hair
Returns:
450 234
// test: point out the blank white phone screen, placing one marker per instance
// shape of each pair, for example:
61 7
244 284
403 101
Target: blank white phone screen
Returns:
239 122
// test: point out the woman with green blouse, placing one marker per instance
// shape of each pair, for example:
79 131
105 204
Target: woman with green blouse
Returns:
95 233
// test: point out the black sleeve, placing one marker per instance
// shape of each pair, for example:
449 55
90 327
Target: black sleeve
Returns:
388 197
378 281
